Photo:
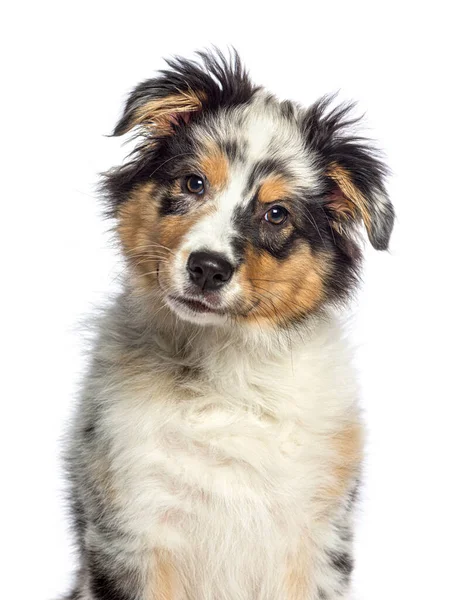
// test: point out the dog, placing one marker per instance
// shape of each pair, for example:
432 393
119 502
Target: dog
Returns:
217 445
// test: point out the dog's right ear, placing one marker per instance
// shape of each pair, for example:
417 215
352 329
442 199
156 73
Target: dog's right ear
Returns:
183 91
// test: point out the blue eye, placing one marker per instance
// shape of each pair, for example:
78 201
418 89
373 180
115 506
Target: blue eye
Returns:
276 215
195 184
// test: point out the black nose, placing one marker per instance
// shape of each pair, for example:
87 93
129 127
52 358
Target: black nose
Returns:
209 271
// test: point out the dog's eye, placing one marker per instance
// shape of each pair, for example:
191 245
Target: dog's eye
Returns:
195 184
276 215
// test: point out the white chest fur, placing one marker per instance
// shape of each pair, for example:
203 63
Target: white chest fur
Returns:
225 467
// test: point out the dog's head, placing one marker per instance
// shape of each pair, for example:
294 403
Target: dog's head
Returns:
237 206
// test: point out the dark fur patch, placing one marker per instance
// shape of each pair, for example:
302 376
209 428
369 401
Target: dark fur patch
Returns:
345 533
79 521
105 581
342 562
354 494
288 110
233 150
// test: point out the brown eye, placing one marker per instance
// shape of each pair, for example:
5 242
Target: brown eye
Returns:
276 215
195 184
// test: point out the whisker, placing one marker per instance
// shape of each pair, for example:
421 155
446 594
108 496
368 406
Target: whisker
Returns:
329 225
166 161
148 273
144 250
153 245
291 306
278 316
287 302
269 280
145 257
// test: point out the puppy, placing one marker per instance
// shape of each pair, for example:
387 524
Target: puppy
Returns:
216 449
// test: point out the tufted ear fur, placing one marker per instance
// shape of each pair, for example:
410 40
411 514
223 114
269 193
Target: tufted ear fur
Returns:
355 174
158 114
184 90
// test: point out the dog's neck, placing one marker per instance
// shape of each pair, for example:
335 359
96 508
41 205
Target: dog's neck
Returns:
243 364
147 321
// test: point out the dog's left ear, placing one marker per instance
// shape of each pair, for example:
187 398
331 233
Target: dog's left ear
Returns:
354 172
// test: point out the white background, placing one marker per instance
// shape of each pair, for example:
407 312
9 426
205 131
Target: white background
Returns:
66 70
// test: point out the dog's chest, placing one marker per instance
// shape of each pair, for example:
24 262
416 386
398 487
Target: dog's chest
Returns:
224 472
186 459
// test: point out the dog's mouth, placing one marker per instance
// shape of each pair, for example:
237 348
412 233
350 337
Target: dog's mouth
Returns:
196 306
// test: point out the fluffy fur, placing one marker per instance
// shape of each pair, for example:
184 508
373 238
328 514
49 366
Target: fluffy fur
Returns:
216 450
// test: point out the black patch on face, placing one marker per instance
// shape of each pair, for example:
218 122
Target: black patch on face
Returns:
315 225
171 205
238 245
321 594
105 580
249 223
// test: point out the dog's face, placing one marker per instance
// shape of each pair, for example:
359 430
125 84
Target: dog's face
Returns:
238 206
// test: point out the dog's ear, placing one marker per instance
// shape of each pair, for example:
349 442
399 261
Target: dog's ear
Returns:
152 106
184 90
354 172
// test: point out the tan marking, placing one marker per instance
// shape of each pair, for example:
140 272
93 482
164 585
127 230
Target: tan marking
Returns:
137 220
139 232
273 189
348 445
173 228
161 113
286 288
347 453
150 240
350 202
300 583
215 166
163 578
